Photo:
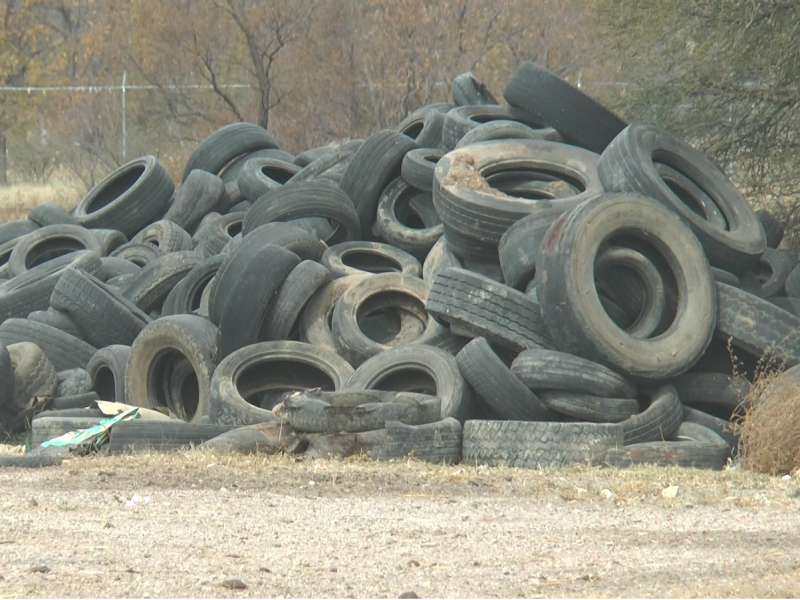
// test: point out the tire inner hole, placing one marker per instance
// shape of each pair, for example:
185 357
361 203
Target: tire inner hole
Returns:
370 261
115 188
414 129
267 382
277 174
392 318
690 193
197 295
172 382
407 379
235 228
532 183
50 249
632 298
105 384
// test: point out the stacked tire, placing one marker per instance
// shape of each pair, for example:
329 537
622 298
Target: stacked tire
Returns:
531 284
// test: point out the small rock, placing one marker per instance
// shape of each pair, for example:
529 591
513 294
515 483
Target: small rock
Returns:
670 492
333 569
33 503
312 482
506 572
108 525
40 569
607 494
264 570
234 584
787 477
409 594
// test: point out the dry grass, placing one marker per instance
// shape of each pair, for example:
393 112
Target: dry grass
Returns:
770 432
18 199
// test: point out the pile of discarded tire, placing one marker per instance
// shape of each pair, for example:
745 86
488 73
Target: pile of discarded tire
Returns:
530 284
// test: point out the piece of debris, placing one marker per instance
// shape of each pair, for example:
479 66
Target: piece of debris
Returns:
669 492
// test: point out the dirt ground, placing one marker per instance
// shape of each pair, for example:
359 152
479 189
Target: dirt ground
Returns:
196 524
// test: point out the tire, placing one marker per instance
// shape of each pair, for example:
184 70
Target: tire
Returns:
134 195
34 374
581 120
468 89
150 286
259 375
200 194
261 438
46 428
499 388
705 390
103 317
757 326
139 254
236 265
292 237
49 213
791 305
58 319
160 349
114 267
166 236
226 144
232 170
283 314
400 224
658 422
50 242
725 277
772 228
388 291
359 258
186 296
507 130
315 323
62 349
110 239
78 401
440 257
484 308
695 446
438 443
303 201
577 320
7 384
768 276
356 412
249 297
159 436
330 166
212 236
374 165
519 247
536 444
12 230
107 371
627 166
31 291
475 214
724 429
420 370
589 407
261 175
463 119
73 382
418 167
424 126
551 370
28 461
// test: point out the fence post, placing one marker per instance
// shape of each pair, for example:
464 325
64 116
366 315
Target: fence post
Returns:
124 124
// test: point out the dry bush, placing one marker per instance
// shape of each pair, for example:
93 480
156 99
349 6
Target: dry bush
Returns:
770 431
17 200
